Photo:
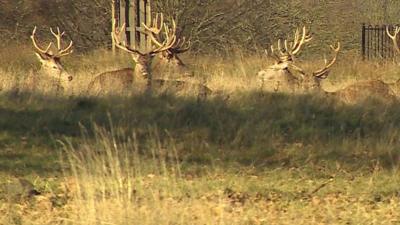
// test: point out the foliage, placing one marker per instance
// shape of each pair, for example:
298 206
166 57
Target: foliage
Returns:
211 25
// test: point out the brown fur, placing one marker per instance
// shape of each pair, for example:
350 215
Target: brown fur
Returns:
115 82
125 80
364 90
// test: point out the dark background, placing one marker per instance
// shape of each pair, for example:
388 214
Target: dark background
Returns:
213 25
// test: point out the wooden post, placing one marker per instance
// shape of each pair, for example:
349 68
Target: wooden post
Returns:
142 19
131 26
148 20
122 16
113 23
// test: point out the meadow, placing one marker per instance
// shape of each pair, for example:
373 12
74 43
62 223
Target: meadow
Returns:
252 158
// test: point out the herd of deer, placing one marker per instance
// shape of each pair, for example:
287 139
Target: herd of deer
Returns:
164 42
282 76
285 76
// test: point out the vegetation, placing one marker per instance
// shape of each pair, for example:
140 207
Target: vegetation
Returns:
212 25
256 158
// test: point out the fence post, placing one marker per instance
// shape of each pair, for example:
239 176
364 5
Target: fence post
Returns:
363 41
148 20
114 4
132 23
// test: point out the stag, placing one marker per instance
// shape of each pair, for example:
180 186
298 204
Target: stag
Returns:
281 76
50 58
163 39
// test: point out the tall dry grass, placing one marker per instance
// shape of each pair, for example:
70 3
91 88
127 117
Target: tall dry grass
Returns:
228 73
256 159
118 178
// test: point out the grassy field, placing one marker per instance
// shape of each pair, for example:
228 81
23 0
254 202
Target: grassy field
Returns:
257 158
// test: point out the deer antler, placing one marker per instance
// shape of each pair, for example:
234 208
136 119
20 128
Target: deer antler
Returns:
180 46
298 43
394 37
45 51
157 24
152 32
324 72
289 50
60 52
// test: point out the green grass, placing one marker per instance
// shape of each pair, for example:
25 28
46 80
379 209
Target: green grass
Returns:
257 158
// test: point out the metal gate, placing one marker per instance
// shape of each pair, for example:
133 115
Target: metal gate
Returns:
375 43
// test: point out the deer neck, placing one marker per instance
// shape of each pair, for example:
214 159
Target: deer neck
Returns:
312 84
142 68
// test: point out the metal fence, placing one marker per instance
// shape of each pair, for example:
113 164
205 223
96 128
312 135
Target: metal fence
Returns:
375 43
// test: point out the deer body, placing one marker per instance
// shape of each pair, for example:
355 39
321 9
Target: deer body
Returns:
124 81
116 81
364 90
179 87
278 78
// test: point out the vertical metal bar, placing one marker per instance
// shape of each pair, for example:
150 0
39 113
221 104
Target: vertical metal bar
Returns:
363 41
384 42
371 44
376 42
379 42
368 41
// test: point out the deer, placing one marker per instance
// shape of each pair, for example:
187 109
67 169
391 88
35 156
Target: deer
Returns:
395 86
285 76
171 55
125 78
172 62
278 77
142 74
50 59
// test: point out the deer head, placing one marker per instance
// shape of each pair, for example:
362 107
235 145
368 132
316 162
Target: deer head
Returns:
143 58
312 81
171 55
50 57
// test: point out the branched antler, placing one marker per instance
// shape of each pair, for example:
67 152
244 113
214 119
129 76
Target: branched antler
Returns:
288 51
324 72
47 51
394 37
157 45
